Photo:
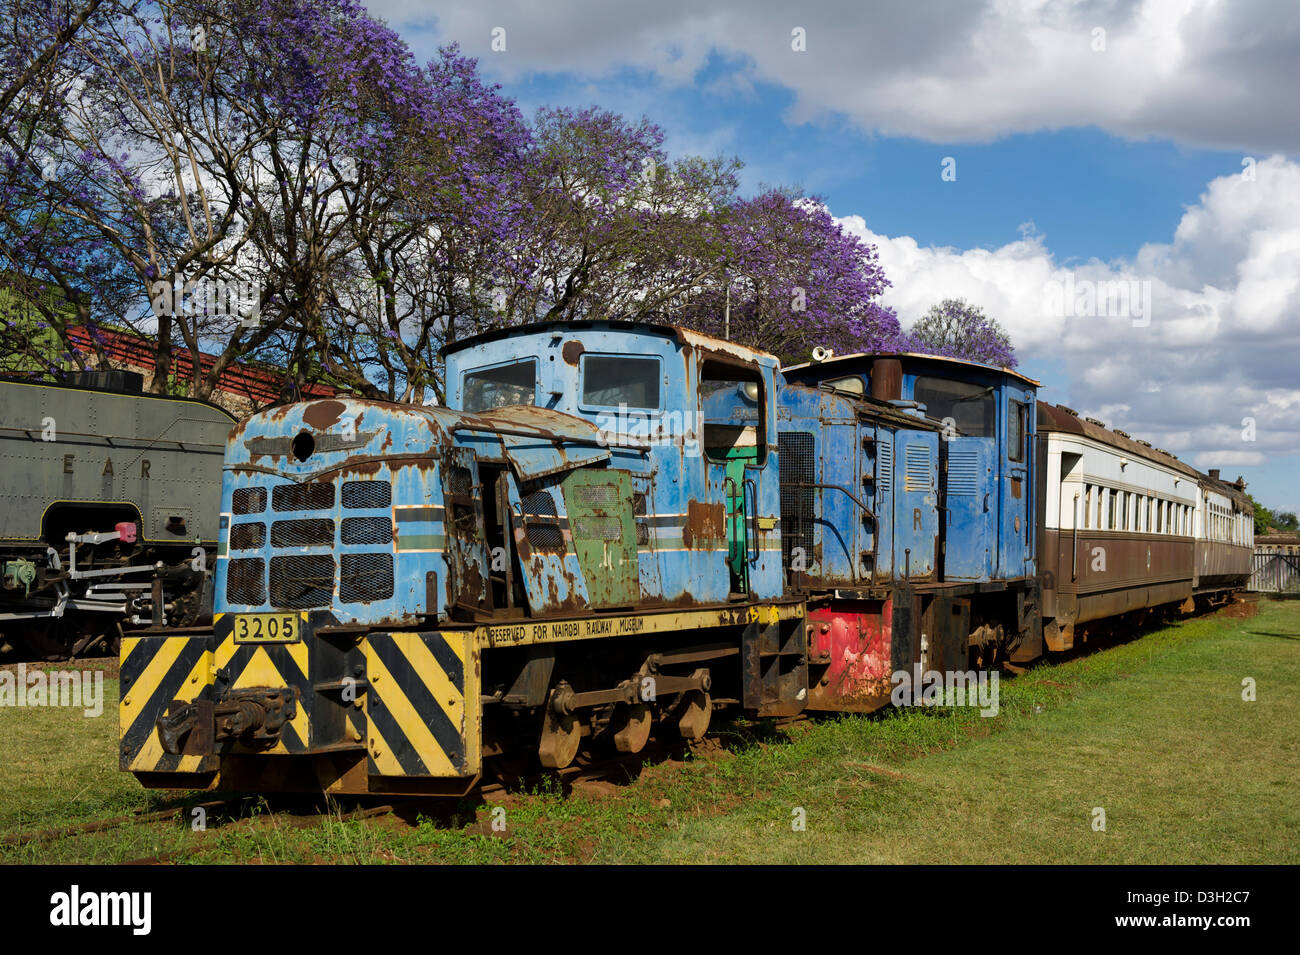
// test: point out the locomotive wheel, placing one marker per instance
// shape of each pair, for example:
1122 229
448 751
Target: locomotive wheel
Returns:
634 728
561 735
693 714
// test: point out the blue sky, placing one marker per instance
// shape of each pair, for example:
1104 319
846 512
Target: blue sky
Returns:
1095 141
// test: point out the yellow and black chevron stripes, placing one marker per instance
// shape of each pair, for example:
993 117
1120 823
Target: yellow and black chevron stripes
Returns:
422 705
237 666
155 671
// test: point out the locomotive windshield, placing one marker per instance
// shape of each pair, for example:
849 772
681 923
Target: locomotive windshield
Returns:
513 384
970 406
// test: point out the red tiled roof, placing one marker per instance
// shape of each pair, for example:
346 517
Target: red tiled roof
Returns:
260 385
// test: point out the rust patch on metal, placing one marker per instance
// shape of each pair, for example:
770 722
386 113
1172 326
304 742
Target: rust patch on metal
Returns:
703 520
322 414
572 352
1016 487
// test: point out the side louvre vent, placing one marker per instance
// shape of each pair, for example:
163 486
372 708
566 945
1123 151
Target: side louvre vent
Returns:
797 450
963 472
885 464
918 476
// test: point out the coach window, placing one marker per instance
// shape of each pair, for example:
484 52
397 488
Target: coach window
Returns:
1110 510
1101 491
499 387
1016 431
971 407
615 381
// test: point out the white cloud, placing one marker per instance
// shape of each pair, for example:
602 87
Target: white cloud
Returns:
1223 341
1195 71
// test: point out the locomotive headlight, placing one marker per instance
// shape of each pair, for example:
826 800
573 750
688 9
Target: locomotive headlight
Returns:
750 388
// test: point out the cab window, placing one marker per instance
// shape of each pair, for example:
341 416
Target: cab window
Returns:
615 381
733 416
1016 431
970 406
513 384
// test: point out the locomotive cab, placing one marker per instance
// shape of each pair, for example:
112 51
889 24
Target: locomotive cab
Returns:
986 414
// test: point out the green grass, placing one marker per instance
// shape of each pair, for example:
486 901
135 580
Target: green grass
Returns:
1155 732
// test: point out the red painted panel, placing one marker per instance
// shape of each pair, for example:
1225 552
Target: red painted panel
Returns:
853 641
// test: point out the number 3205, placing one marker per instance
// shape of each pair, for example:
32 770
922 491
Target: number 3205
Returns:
266 628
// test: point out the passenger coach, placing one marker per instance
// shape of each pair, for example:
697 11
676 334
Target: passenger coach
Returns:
1127 527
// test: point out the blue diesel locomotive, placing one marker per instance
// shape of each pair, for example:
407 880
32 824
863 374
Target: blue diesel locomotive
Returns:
610 529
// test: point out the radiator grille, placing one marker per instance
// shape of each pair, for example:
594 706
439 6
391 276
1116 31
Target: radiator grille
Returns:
246 581
916 460
542 522
797 450
590 527
597 495
302 497
963 472
365 577
885 464
367 530
367 494
307 532
247 536
248 500
299 582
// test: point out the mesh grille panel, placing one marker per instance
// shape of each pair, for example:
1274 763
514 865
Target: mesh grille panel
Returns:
367 494
314 531
367 530
597 495
302 497
459 481
598 528
543 526
798 466
246 581
365 577
247 536
248 500
299 582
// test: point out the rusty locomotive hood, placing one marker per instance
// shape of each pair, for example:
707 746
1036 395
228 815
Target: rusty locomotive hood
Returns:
304 441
